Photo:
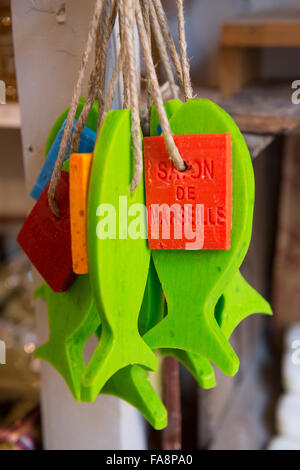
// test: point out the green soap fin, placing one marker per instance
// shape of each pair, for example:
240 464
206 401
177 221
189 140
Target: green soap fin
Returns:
228 318
92 122
198 366
240 301
118 267
65 348
73 318
187 328
131 383
152 310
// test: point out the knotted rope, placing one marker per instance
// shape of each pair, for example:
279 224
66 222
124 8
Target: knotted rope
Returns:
187 86
73 107
149 16
156 93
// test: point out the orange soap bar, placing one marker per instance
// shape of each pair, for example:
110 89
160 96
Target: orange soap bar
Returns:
190 210
80 167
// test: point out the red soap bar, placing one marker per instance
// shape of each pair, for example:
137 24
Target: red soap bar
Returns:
190 210
46 239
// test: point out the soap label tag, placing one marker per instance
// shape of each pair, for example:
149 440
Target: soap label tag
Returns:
46 239
190 210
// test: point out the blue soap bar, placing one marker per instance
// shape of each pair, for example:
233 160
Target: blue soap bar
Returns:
86 145
159 129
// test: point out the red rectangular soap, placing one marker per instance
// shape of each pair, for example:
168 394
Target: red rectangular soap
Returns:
190 210
46 239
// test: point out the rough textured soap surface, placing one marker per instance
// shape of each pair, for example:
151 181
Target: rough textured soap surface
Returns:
46 239
80 168
189 210
73 318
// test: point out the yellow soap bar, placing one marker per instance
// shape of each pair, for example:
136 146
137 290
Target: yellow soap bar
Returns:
80 167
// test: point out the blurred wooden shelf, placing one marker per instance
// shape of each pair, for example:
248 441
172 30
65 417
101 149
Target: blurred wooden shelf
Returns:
265 109
10 116
271 28
242 40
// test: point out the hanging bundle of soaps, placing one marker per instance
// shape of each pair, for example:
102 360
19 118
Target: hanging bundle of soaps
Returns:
139 231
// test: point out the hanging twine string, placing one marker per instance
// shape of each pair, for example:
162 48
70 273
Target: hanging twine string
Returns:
72 112
187 86
102 24
156 93
126 94
114 81
92 85
91 90
162 50
126 97
146 110
147 13
84 113
166 32
107 31
146 17
128 13
105 28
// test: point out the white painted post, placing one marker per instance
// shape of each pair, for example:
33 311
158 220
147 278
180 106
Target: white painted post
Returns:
48 48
